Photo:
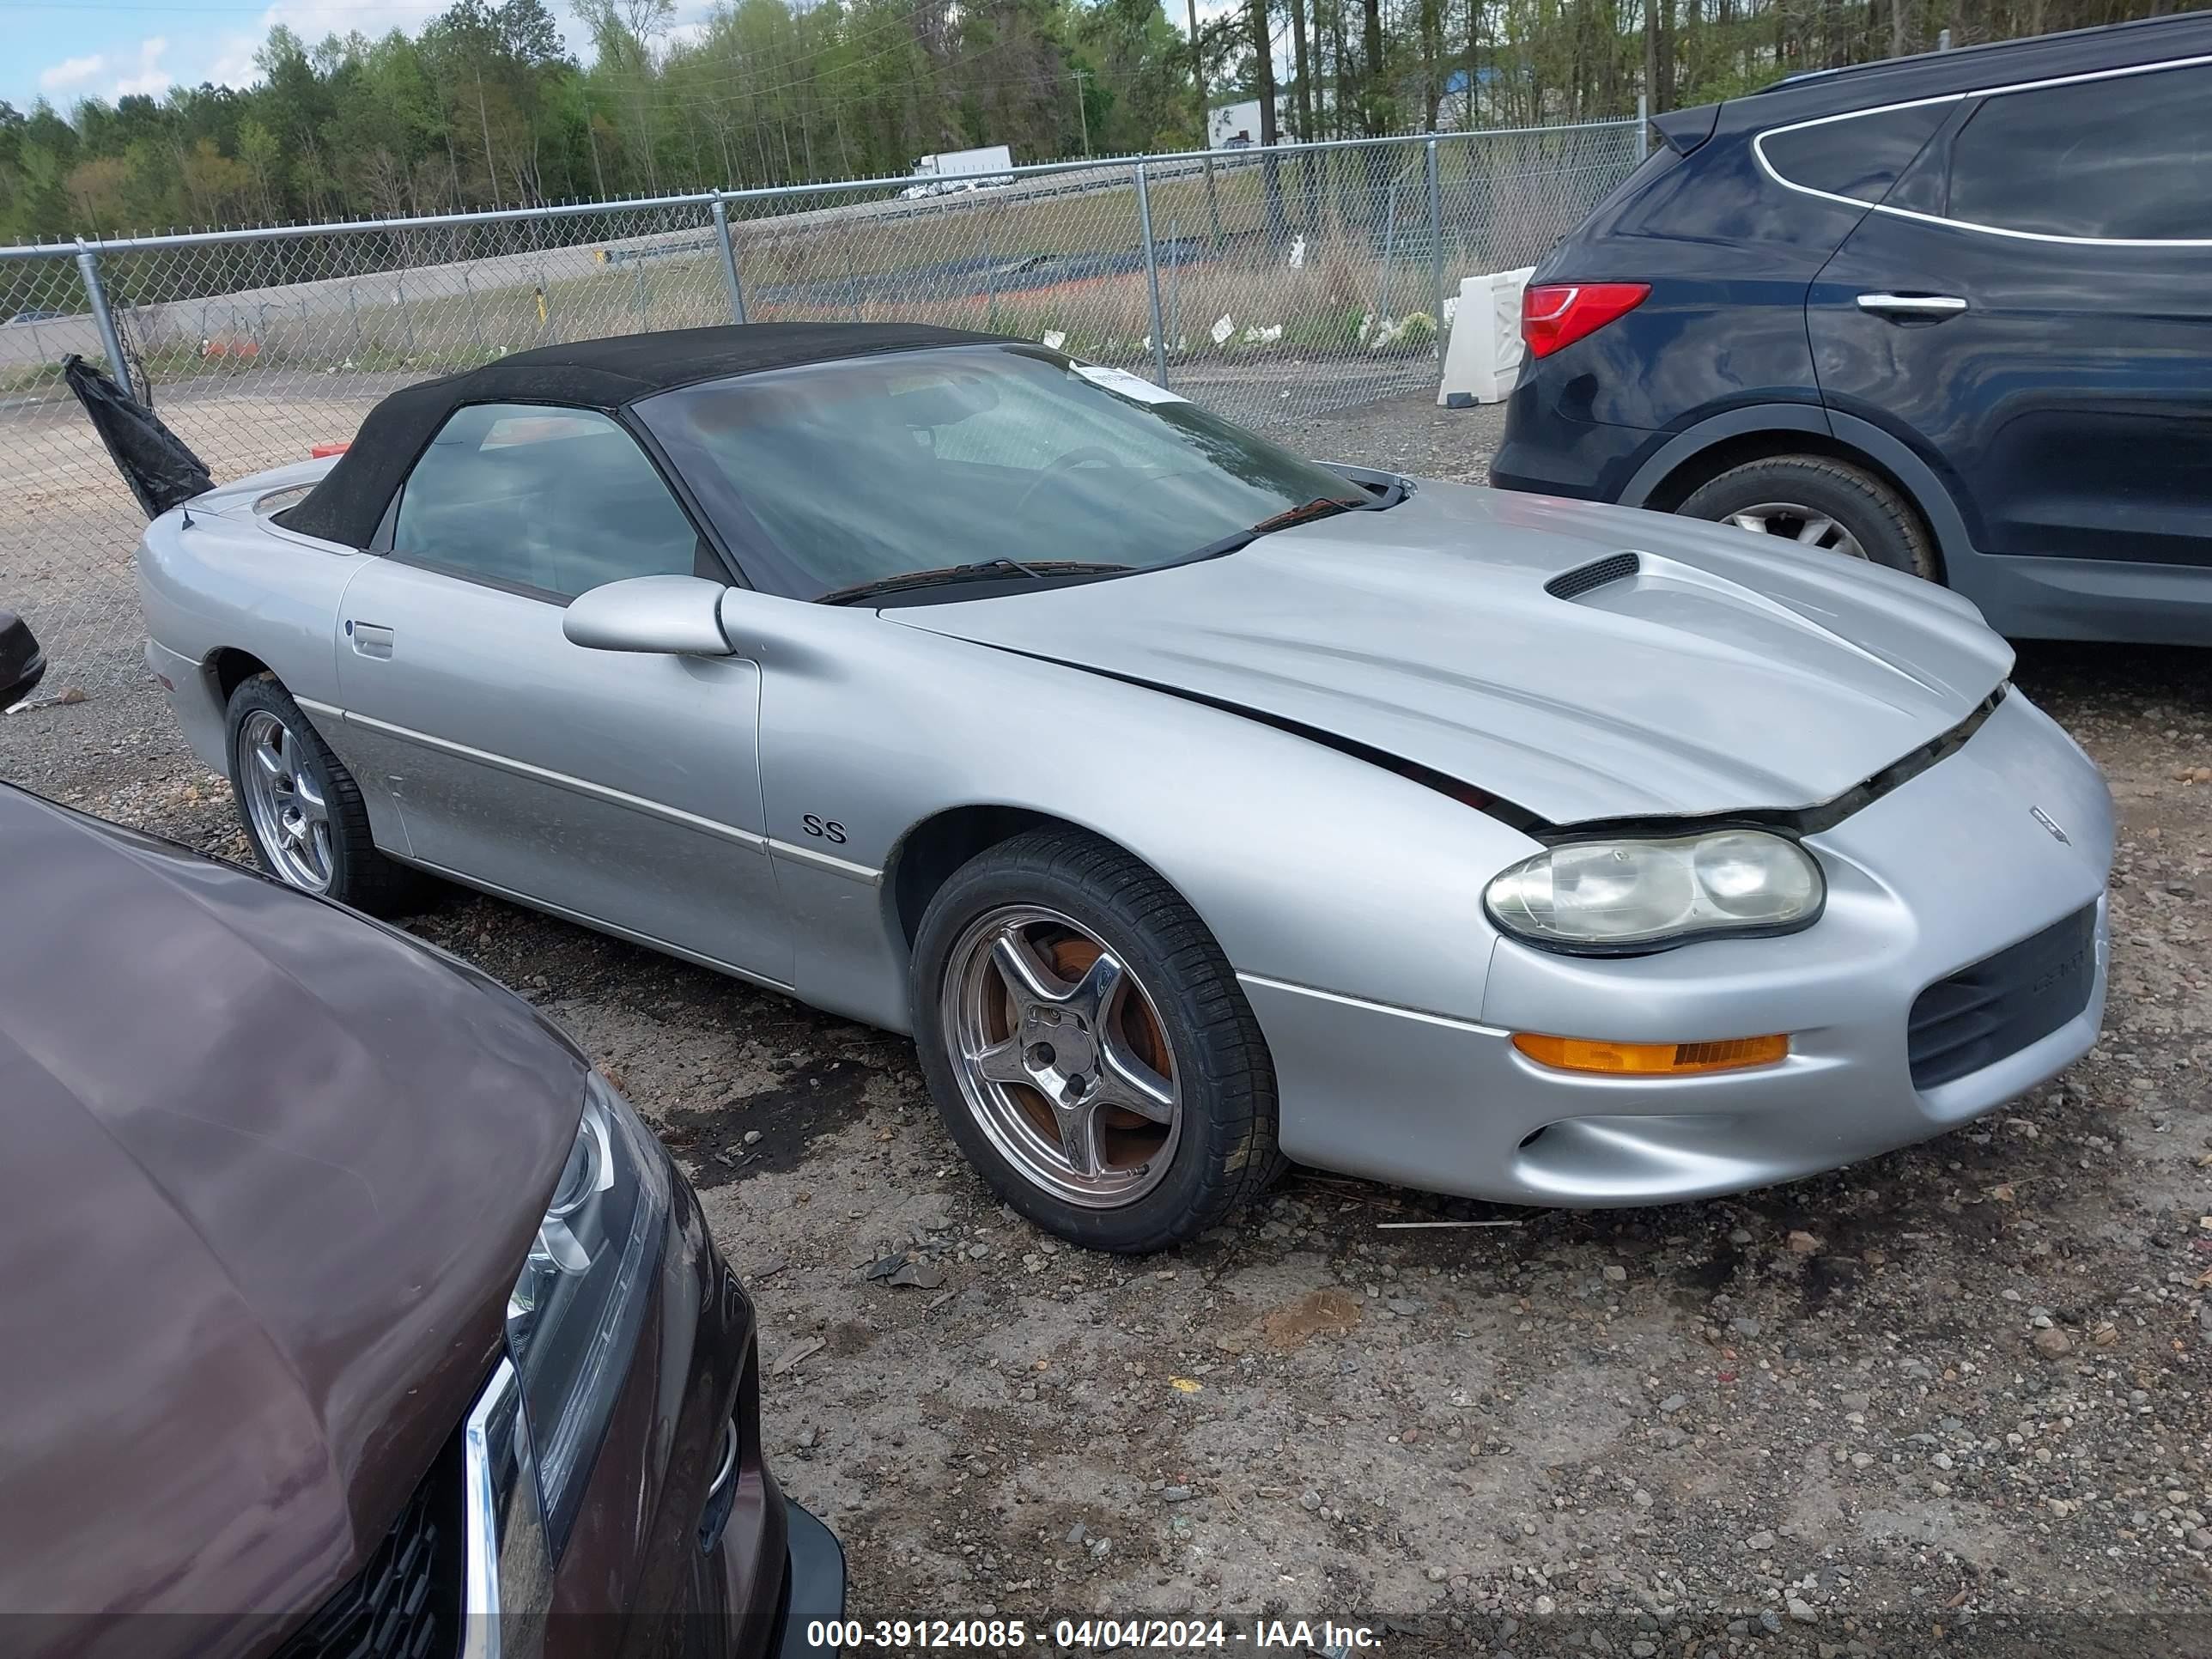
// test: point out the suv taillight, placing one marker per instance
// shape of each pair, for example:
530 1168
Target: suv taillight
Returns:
1554 314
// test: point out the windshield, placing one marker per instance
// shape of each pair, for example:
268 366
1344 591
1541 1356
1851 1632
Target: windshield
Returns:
870 468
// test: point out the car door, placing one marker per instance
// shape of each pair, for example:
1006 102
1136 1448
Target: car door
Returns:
2030 307
621 788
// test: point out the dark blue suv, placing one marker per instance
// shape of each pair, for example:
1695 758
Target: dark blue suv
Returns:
1952 313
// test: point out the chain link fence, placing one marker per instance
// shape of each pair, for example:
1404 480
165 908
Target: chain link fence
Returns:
1262 283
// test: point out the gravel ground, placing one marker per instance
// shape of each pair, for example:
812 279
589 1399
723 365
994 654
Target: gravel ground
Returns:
1954 1399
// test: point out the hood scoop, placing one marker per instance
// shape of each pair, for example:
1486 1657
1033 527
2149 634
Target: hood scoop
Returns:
1583 579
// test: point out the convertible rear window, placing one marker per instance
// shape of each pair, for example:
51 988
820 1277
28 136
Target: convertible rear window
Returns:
847 473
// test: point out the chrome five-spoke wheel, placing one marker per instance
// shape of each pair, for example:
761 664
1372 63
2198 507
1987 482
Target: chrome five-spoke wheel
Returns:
1061 1056
1088 1046
1805 525
287 801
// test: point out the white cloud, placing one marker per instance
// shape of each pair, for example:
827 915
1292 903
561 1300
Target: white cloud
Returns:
152 80
234 65
69 72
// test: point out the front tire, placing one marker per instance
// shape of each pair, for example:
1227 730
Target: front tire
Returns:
1088 1046
1814 501
301 809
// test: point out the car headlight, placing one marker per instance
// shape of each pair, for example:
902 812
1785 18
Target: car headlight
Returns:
574 1315
1632 893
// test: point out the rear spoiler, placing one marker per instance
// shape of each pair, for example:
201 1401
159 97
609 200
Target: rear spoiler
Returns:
1683 130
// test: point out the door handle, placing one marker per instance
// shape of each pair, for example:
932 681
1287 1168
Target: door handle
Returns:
370 639
1912 305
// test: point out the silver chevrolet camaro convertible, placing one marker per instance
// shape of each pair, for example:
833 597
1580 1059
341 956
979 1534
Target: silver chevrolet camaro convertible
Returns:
1194 806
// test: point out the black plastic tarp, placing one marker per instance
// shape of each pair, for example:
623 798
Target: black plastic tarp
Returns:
152 459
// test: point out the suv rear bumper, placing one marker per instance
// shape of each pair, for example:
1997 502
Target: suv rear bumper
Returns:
1549 453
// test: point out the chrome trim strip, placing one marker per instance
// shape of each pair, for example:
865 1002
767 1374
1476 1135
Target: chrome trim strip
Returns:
729 1461
1923 304
480 1516
1759 150
309 706
1338 997
835 867
561 780
593 922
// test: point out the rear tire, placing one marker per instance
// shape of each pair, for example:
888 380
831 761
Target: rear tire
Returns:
1088 1045
1812 501
301 809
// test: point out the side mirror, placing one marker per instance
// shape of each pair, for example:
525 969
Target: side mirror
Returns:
672 616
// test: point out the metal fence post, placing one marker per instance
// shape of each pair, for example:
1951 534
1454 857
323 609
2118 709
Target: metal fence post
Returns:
729 258
88 267
1643 124
1389 253
1175 281
1151 276
1436 243
990 281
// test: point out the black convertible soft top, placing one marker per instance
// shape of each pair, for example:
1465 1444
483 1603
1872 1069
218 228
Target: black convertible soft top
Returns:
349 503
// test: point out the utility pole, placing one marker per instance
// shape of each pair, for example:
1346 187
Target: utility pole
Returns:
1082 110
1204 130
1651 99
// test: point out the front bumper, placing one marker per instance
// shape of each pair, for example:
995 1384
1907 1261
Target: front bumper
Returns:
22 663
684 1545
814 1585
1939 874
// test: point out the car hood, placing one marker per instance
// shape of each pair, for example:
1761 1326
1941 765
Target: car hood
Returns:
272 1171
1716 673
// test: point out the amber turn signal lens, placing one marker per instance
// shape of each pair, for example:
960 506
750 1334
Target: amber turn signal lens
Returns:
1650 1059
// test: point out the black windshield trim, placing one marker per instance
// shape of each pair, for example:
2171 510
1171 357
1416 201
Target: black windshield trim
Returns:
1023 576
1293 518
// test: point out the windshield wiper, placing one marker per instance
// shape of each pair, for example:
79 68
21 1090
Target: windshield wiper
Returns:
980 570
1326 507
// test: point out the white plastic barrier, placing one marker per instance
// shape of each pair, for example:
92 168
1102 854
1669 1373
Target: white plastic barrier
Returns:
1482 358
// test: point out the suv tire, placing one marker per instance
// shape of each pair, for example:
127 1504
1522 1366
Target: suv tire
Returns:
1845 507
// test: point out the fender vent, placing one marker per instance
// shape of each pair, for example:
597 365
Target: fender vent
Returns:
1573 583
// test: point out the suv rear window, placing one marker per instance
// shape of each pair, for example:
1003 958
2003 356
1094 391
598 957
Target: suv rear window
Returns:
2125 159
1858 156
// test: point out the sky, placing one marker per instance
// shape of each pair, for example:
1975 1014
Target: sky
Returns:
67 49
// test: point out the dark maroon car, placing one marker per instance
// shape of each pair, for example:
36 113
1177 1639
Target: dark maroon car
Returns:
347 1311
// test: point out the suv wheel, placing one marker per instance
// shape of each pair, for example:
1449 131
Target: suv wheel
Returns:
1814 501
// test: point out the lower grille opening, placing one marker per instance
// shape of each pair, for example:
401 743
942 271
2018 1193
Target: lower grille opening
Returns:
406 1602
2003 1002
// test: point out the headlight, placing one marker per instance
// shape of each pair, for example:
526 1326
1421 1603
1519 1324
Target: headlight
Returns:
573 1317
1635 894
